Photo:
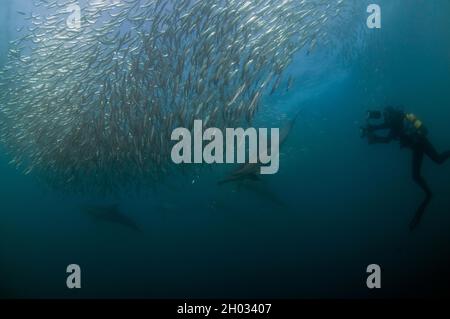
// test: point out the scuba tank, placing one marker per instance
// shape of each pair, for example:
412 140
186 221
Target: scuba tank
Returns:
414 125
414 128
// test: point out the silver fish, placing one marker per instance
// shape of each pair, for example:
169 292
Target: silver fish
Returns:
92 109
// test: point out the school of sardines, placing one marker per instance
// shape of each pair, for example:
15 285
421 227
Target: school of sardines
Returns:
93 108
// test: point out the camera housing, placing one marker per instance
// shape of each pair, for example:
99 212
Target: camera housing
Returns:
374 115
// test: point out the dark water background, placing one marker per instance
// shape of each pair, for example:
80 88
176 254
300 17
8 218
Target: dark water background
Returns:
336 206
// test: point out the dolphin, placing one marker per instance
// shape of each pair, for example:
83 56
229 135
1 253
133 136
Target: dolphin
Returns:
251 171
110 214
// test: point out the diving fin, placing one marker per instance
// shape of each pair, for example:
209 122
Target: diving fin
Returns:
419 214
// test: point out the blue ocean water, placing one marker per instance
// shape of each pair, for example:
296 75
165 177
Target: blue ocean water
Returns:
336 206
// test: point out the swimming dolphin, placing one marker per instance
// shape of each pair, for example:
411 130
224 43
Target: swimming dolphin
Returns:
251 171
110 214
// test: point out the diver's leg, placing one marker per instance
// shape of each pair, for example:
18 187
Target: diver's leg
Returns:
438 158
418 178
417 171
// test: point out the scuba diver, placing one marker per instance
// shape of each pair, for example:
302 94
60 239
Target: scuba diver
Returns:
410 132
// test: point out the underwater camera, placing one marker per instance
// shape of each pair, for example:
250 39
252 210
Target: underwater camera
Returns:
374 115
371 115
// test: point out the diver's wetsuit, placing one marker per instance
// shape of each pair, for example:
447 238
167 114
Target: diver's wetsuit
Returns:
420 146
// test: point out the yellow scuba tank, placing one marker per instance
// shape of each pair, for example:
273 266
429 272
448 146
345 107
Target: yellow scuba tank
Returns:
414 124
